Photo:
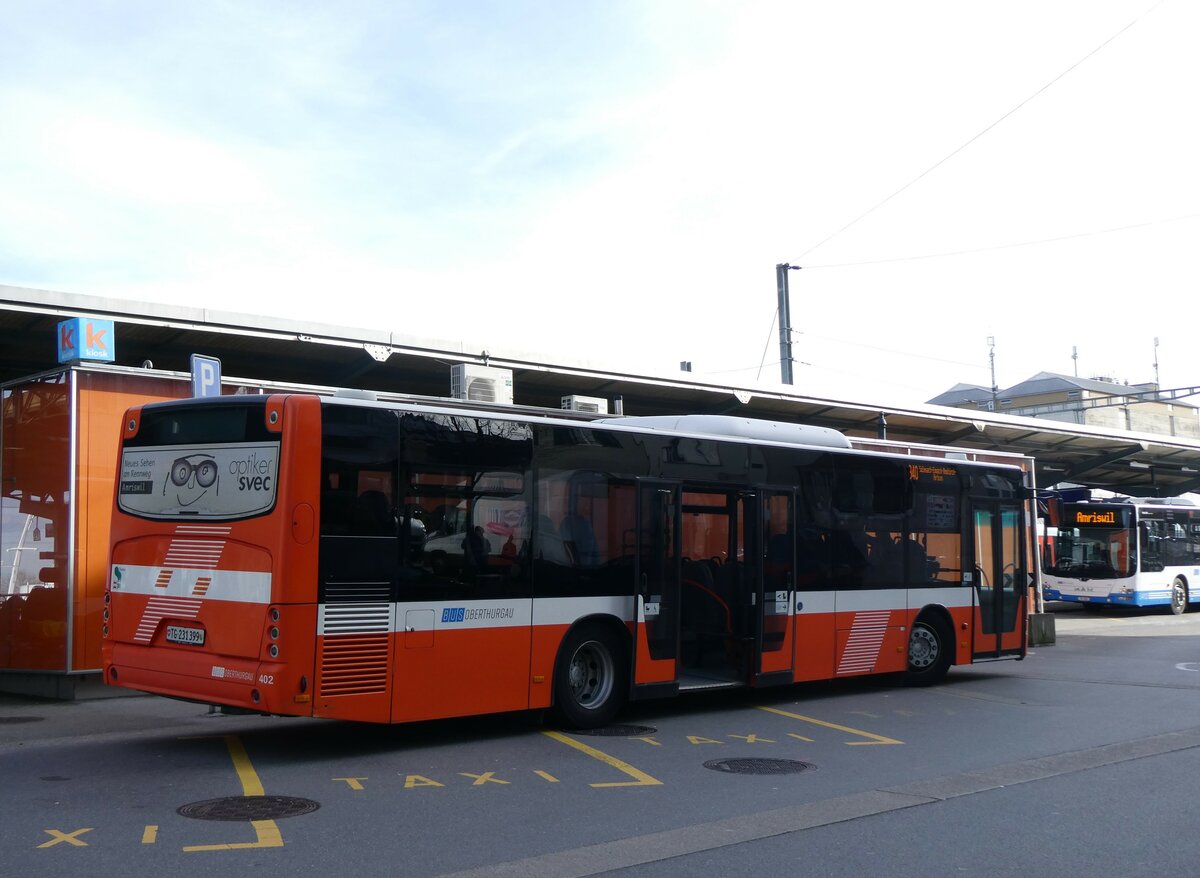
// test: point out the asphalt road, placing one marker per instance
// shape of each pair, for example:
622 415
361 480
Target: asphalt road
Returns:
1078 760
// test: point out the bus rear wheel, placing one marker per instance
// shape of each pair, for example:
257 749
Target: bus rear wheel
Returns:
928 653
590 678
1179 596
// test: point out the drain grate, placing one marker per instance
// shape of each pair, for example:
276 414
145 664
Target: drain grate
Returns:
618 731
248 808
759 766
15 720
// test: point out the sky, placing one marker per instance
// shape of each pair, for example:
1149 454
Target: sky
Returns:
968 188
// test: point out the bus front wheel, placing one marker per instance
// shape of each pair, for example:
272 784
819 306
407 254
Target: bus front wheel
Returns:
1179 596
928 653
590 679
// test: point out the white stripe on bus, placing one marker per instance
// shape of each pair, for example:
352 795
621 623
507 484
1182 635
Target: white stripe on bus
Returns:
241 586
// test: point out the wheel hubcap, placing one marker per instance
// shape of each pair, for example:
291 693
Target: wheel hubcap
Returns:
591 675
922 648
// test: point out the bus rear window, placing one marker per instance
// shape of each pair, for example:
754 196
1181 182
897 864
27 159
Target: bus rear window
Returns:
203 423
204 462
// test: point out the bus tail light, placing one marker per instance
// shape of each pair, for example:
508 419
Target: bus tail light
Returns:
273 632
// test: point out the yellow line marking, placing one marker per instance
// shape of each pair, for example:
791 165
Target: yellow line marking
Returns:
640 778
355 783
545 776
650 741
251 785
799 737
486 777
753 739
58 837
150 835
266 832
874 739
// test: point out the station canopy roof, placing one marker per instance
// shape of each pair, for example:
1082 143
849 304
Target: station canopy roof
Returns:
290 352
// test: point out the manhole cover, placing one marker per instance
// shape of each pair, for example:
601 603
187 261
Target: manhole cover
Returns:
14 720
249 808
759 766
619 731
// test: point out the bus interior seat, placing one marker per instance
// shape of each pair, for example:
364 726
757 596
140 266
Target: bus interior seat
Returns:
576 532
373 515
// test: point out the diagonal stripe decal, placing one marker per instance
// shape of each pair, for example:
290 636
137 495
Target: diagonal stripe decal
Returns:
864 643
159 608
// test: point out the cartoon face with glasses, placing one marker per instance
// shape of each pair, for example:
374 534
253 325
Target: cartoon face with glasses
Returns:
191 477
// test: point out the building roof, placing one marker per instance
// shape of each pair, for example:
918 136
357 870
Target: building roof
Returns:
1052 382
962 394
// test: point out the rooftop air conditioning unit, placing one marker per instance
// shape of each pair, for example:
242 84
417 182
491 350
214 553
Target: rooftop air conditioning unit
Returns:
594 404
481 383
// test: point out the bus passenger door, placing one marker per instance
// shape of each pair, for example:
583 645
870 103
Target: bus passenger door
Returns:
1000 579
775 589
656 635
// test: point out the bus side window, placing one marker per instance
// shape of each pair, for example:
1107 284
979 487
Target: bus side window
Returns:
933 553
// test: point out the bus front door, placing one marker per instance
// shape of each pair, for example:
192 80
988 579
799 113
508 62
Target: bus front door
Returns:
1000 578
775 591
656 634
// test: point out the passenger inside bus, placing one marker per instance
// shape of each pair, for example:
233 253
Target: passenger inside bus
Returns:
475 550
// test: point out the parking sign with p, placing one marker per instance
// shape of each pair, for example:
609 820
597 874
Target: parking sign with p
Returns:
206 376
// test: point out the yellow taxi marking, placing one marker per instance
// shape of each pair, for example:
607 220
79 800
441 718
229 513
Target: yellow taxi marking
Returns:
545 776
355 783
150 835
753 739
71 838
413 781
486 777
873 739
640 778
266 832
697 739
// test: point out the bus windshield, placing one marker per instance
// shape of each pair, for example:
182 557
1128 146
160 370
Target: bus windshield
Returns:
1095 543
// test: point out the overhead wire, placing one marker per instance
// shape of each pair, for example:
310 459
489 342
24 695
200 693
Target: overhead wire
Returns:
945 159
1010 246
978 135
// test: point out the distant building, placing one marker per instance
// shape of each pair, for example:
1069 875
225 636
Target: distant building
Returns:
1097 402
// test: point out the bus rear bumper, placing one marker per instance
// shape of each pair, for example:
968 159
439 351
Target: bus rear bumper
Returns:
205 678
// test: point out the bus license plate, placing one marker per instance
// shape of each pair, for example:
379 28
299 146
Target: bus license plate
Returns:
190 636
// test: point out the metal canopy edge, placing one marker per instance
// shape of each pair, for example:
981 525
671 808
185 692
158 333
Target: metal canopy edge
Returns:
292 353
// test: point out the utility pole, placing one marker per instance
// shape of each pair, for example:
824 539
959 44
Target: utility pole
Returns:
785 320
1075 357
992 357
1156 384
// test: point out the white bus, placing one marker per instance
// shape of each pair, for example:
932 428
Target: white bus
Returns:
1124 552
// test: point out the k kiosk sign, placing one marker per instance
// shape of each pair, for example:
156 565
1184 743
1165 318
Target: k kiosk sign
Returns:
84 338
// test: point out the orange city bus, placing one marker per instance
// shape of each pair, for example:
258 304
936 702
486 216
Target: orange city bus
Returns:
390 561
